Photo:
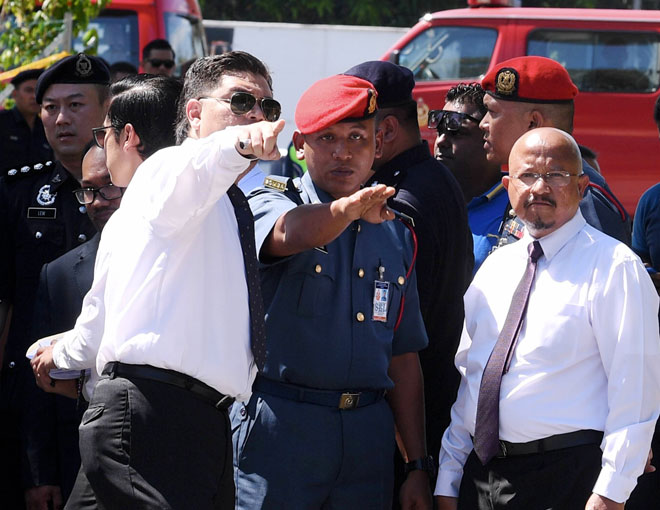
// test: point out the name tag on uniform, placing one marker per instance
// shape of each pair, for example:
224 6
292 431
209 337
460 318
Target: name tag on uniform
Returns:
381 297
42 213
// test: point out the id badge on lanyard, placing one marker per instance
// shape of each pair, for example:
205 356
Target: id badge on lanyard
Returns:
381 297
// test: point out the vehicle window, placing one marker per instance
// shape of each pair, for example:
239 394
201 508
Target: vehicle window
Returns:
603 61
449 53
186 35
118 37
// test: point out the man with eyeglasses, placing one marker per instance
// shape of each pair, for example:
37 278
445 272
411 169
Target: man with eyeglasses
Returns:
172 321
528 92
459 146
428 193
559 358
158 58
40 219
51 424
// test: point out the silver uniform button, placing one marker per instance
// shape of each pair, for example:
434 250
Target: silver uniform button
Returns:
38 235
12 364
82 209
82 238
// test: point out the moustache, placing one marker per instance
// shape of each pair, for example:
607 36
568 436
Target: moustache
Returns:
540 198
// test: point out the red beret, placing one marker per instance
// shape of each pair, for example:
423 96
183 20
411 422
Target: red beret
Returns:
530 79
334 99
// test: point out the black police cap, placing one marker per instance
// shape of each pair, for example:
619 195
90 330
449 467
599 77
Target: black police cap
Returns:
30 74
393 83
80 68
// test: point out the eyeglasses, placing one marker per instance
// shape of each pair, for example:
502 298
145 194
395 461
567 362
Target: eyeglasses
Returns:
99 135
156 62
86 196
242 102
448 121
553 179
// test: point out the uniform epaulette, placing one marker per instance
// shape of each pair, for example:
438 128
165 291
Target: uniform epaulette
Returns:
15 173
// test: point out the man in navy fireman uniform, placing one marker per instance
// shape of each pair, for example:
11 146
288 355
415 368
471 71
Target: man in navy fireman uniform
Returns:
342 366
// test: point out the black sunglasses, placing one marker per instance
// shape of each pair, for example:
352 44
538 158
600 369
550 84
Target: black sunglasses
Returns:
242 102
449 121
86 196
156 62
99 136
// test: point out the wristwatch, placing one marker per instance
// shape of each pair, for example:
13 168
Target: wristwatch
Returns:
425 464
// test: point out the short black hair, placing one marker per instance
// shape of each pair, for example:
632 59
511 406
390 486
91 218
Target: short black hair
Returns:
121 67
467 93
204 76
148 103
156 44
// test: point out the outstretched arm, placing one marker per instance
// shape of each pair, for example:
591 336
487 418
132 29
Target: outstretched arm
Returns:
311 225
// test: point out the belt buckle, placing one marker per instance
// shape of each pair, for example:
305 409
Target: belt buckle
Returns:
349 400
503 451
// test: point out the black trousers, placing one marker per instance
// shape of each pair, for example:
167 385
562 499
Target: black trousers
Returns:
556 480
151 445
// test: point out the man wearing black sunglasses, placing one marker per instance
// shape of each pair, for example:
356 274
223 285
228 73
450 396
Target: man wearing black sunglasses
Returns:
459 145
158 58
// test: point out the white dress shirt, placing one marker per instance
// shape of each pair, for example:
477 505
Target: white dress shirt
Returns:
588 354
169 281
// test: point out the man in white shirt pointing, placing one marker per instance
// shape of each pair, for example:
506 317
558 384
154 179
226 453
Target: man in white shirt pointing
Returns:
556 408
171 320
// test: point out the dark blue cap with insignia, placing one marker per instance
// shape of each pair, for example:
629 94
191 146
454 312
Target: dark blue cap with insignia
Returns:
80 68
393 83
30 74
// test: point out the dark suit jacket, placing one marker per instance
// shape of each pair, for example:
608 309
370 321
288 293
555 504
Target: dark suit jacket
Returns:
50 425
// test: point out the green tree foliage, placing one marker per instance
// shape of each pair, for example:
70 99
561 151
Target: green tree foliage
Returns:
27 29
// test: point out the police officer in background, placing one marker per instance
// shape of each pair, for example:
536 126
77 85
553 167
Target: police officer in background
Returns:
40 219
22 137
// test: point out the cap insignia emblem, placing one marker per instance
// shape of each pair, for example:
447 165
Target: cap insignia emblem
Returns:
83 66
372 102
506 82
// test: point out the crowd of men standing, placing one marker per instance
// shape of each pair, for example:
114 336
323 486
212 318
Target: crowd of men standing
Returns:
296 348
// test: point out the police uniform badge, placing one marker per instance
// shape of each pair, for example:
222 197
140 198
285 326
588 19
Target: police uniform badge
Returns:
45 197
83 66
506 81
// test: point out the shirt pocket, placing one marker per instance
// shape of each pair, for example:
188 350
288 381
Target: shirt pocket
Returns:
312 284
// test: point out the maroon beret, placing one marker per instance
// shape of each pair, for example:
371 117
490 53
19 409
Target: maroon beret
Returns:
531 80
334 99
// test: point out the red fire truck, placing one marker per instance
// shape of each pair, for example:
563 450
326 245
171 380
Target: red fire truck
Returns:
613 56
126 26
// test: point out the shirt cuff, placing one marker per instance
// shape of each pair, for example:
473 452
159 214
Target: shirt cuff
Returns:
62 358
614 486
448 483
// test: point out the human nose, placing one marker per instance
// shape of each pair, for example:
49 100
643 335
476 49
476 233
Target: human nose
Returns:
341 151
62 117
441 140
543 186
256 113
484 125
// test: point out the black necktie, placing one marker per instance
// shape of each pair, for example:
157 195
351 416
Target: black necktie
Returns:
245 222
486 431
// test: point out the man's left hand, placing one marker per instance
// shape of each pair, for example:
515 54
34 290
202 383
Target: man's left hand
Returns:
415 492
42 364
598 502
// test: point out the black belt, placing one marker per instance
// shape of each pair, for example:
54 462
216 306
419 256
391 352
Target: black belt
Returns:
198 388
548 444
331 398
